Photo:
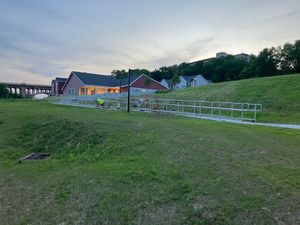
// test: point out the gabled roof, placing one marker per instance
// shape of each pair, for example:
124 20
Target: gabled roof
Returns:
104 80
124 81
96 79
242 54
61 79
169 81
189 78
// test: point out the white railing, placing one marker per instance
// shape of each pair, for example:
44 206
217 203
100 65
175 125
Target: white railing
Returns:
197 108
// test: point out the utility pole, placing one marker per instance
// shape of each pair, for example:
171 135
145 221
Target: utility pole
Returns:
128 95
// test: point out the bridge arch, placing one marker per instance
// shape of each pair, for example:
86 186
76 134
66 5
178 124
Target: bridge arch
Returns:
28 90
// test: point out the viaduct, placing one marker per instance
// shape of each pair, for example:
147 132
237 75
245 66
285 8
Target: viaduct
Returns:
28 90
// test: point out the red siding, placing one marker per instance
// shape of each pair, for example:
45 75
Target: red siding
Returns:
73 83
140 83
60 85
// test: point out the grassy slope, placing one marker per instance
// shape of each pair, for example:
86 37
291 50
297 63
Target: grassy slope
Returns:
280 96
115 168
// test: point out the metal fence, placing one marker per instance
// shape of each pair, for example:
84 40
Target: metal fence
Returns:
195 108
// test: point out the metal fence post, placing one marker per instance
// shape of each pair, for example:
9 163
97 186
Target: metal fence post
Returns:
231 110
200 109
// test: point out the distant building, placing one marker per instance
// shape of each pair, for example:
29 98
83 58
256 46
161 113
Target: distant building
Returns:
198 81
81 83
191 81
221 54
57 85
186 81
167 83
243 56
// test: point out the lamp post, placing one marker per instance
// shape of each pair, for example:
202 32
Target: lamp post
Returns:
128 94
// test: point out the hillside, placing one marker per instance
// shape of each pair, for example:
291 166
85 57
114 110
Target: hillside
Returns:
110 167
279 95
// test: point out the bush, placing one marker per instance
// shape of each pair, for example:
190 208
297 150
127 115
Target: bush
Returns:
163 91
4 93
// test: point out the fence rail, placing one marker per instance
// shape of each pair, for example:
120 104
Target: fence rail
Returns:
195 108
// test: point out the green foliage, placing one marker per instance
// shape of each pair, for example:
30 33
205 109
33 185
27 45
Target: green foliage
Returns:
4 93
279 96
119 74
57 135
265 64
175 79
123 73
163 91
290 58
269 62
152 169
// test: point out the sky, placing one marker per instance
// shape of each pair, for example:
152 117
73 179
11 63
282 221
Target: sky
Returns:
43 39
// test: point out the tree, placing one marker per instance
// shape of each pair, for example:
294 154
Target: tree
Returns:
4 93
269 62
119 74
291 57
286 64
266 63
250 70
296 56
175 80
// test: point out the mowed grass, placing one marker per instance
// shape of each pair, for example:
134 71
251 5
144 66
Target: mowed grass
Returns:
115 168
279 95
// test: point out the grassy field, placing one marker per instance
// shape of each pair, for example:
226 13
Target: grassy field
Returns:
115 168
280 96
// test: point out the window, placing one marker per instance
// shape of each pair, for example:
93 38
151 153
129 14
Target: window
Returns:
82 91
93 91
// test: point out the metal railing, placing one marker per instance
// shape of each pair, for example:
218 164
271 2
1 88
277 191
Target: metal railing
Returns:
195 108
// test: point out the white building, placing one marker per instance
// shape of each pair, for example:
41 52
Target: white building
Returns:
167 83
192 81
186 81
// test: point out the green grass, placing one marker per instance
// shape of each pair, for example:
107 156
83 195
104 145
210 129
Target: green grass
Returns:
115 168
280 96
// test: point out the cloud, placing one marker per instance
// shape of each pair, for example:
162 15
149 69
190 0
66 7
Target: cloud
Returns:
44 39
270 19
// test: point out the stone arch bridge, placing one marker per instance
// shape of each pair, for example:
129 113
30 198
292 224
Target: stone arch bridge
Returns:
28 90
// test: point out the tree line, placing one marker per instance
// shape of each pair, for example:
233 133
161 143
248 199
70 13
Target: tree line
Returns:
4 93
269 62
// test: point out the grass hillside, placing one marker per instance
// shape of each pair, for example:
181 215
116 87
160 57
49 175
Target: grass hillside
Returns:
279 95
138 168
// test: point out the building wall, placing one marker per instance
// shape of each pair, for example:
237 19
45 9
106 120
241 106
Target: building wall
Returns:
140 83
199 81
56 87
53 86
59 90
221 54
164 83
139 86
92 90
182 84
73 86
